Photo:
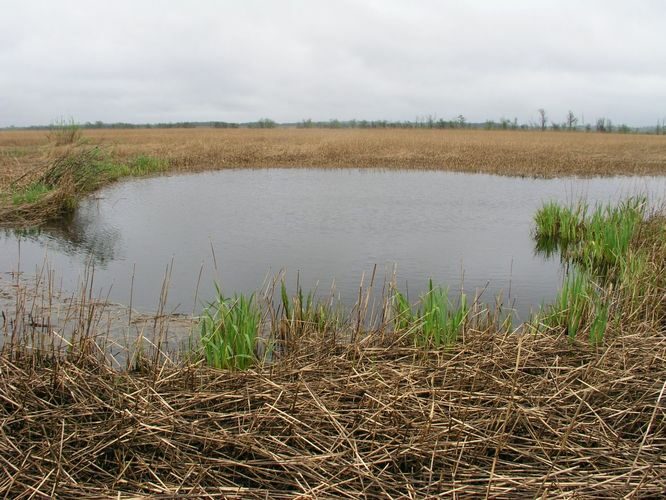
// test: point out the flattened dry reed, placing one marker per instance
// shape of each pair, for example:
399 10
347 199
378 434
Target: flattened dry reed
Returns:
505 416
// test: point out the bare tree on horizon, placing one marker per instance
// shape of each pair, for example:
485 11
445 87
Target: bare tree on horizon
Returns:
571 120
543 118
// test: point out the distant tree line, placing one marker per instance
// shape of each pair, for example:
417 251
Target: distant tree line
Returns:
124 125
603 125
570 123
428 121
262 123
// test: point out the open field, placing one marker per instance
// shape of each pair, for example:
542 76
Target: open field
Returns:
503 152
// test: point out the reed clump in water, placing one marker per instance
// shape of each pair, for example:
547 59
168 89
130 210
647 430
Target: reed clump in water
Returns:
596 239
615 258
229 330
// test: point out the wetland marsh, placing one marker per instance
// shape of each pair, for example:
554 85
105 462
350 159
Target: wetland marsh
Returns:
438 394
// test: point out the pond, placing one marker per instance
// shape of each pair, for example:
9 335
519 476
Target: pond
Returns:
328 227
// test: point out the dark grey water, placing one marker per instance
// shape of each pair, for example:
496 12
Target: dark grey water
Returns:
328 225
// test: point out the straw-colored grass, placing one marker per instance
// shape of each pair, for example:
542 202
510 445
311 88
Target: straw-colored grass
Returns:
503 152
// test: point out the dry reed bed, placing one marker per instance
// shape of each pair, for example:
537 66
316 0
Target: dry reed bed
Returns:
502 152
499 415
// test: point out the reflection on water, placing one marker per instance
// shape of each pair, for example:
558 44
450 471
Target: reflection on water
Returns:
329 226
79 235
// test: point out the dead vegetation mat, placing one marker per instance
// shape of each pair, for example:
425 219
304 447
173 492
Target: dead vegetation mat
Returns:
505 416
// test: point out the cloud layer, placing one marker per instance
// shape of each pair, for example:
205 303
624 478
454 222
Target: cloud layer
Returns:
150 61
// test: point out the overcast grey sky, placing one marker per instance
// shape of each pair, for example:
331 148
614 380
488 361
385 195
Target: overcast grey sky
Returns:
150 61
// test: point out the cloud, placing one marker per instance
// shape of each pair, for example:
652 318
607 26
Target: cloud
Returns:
144 61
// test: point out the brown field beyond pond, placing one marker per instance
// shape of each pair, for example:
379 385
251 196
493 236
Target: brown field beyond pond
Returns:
527 153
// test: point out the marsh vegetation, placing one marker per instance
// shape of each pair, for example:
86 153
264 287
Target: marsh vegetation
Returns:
533 154
42 195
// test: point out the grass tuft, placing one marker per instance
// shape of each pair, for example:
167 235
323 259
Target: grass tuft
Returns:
303 314
229 329
31 194
64 132
442 321
436 321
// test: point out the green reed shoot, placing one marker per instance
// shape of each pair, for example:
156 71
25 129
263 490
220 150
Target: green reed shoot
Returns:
599 322
634 276
571 304
229 329
403 316
442 322
302 312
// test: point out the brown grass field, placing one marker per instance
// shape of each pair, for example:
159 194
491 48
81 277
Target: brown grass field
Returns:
522 153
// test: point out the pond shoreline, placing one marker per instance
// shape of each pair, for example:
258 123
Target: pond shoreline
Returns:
26 156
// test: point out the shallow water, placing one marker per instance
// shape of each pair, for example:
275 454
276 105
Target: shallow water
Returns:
239 226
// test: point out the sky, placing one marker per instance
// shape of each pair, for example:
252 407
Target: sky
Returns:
198 60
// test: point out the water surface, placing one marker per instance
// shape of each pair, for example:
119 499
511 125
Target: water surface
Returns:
330 226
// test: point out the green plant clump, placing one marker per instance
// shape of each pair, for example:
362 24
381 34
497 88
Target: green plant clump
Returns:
31 194
229 330
596 239
403 316
596 245
436 322
442 321
578 306
302 313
